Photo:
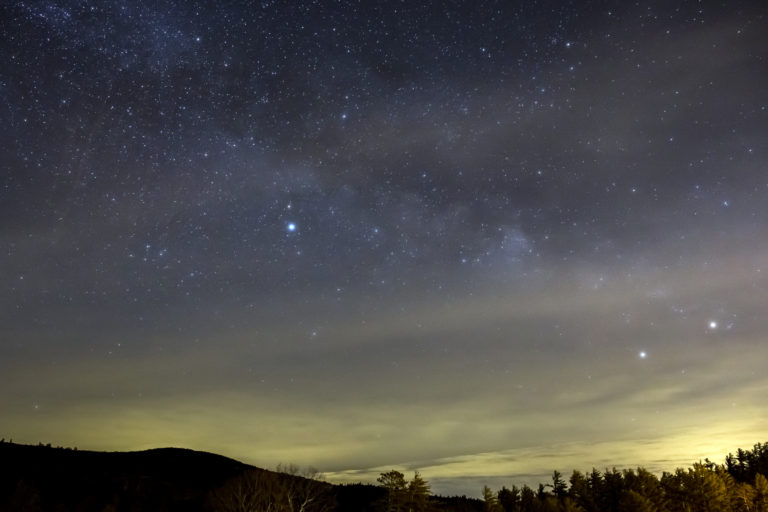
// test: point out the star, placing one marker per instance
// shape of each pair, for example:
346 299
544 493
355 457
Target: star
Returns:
642 354
291 227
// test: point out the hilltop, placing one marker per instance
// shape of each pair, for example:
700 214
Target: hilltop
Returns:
43 478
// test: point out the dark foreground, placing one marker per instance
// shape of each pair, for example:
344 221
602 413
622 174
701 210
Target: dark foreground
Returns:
43 478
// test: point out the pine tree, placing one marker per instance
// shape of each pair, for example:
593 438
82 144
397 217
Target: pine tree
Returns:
580 491
527 499
418 494
509 499
700 489
491 502
559 487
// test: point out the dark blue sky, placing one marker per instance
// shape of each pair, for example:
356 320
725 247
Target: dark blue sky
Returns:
386 234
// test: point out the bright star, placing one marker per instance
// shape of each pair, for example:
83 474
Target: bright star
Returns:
712 324
291 227
642 354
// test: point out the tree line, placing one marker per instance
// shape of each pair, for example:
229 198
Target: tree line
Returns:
404 496
739 485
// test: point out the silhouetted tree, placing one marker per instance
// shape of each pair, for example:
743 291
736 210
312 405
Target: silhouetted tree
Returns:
509 499
704 487
491 502
559 487
696 490
251 491
580 491
645 484
597 490
418 494
395 484
527 499
748 463
741 464
613 486
307 495
261 491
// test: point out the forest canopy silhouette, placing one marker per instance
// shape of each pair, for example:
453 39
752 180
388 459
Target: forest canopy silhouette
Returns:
42 478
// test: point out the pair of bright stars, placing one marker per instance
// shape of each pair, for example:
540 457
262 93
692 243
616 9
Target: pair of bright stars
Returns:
712 326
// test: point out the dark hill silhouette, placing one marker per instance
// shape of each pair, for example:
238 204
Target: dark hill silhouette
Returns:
46 478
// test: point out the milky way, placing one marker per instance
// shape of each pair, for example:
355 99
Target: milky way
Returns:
483 239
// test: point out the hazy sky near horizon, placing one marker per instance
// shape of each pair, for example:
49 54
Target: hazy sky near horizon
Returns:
485 240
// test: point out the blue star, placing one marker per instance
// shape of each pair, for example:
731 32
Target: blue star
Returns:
291 227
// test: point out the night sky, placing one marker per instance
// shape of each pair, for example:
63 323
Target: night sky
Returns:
483 239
